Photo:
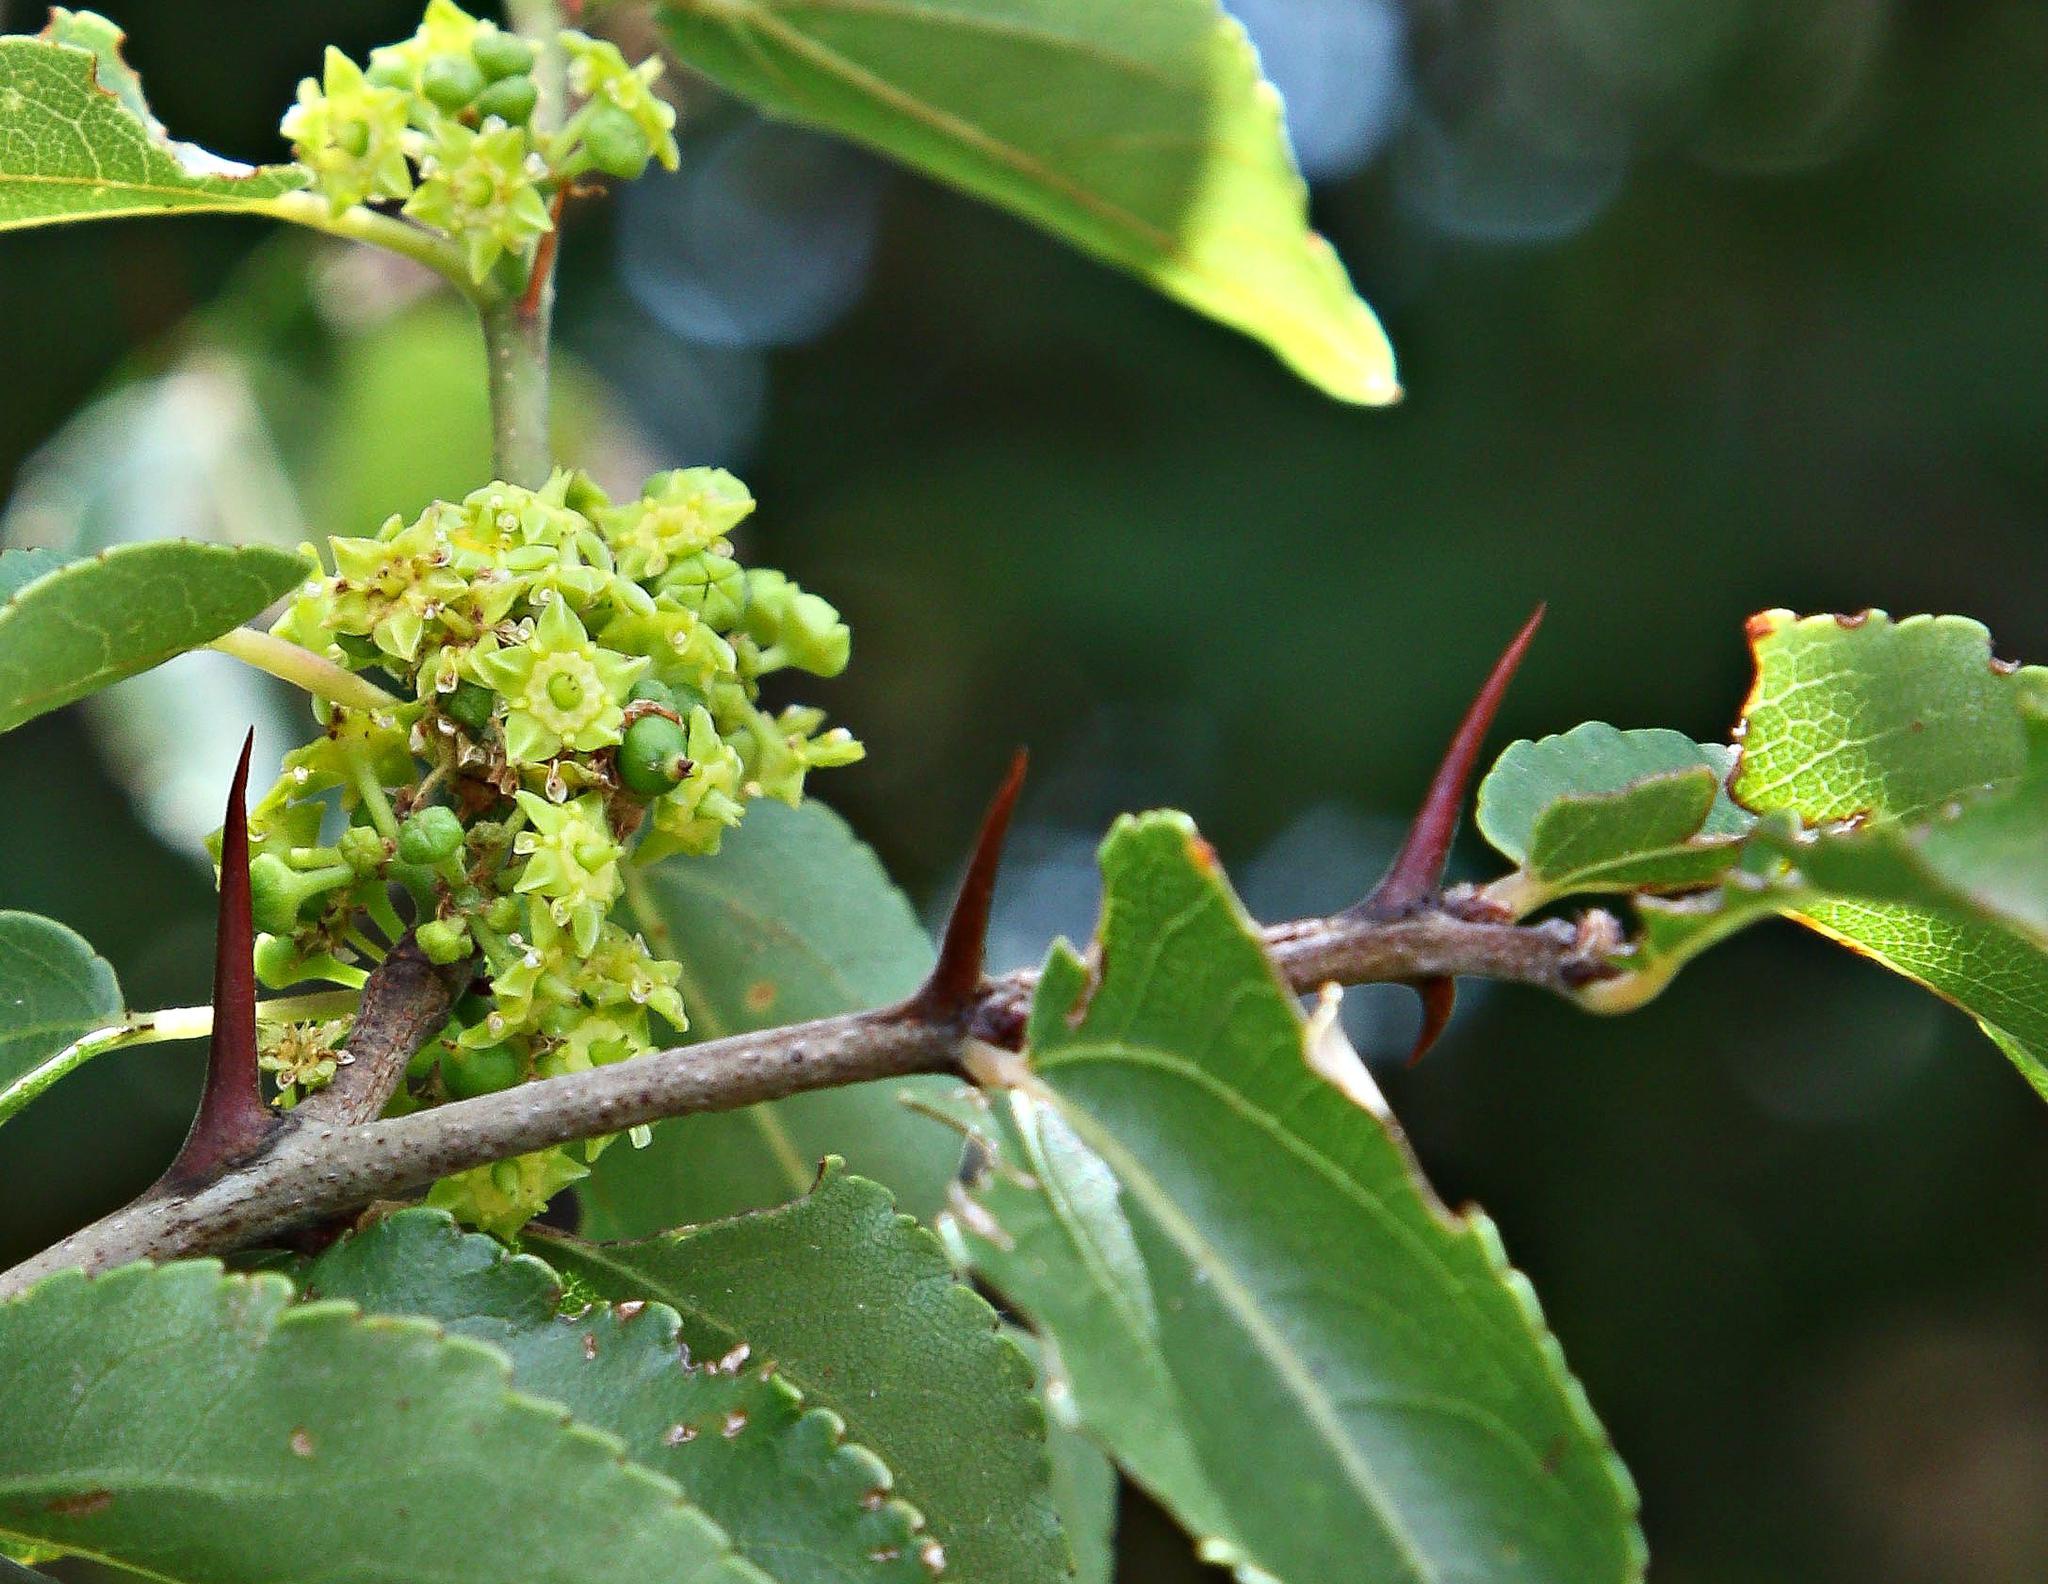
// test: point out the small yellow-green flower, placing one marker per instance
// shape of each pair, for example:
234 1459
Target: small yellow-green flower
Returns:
679 514
599 72
446 29
563 690
303 1057
705 803
572 866
479 188
502 1197
391 587
350 134
622 973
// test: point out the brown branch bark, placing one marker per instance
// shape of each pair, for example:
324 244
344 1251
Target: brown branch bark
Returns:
318 1166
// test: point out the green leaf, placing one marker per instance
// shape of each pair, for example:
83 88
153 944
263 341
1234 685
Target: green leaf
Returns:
1142 134
799 1501
1888 724
1866 718
76 141
862 1313
793 918
53 988
1057 1242
88 623
1084 1481
191 1425
1597 809
1365 1382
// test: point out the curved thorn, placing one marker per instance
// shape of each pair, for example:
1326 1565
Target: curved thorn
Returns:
1439 1000
1418 868
956 976
232 1117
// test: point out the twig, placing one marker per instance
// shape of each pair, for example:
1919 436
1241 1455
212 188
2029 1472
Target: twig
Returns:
316 1168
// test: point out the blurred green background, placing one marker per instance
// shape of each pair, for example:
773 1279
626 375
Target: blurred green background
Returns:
1702 307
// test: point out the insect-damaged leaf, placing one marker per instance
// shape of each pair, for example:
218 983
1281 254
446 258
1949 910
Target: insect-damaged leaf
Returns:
77 142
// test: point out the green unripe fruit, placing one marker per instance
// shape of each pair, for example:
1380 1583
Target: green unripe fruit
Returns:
444 940
277 962
429 836
353 137
510 100
362 849
469 705
712 585
451 81
278 893
501 54
653 756
274 894
469 1073
615 143
649 691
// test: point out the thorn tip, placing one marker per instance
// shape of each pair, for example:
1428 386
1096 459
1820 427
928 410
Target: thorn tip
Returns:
1418 868
232 1117
957 974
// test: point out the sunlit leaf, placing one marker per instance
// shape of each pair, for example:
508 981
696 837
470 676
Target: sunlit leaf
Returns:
186 1424
88 623
1364 1384
1143 134
74 147
53 988
861 1311
798 1500
793 918
1887 724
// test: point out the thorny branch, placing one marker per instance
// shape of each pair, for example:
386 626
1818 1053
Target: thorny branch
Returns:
238 1187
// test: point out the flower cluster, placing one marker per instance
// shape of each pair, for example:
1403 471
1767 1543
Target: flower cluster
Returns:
444 124
580 685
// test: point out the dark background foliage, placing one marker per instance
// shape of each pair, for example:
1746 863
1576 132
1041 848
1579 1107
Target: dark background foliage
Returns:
1701 309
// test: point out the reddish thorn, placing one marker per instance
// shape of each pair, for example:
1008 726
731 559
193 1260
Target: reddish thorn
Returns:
232 1117
1439 999
1418 869
956 976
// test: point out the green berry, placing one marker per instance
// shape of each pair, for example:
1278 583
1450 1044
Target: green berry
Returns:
501 54
362 849
451 81
444 940
274 895
653 757
278 963
615 143
278 893
511 100
469 705
649 691
430 836
470 1073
